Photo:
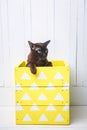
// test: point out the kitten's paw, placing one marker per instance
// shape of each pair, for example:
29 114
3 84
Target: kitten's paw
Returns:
33 70
49 63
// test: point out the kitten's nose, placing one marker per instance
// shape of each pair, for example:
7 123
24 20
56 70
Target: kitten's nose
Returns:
44 54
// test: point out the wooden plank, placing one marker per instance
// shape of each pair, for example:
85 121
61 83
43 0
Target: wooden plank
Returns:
62 24
39 20
84 61
80 43
51 28
5 41
77 96
1 51
73 41
27 26
16 34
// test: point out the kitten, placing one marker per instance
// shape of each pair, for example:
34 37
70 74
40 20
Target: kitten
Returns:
38 56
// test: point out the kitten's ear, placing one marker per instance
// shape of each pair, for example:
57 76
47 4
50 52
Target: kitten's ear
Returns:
47 42
30 44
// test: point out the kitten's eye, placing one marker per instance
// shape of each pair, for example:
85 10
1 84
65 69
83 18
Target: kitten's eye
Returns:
39 51
46 51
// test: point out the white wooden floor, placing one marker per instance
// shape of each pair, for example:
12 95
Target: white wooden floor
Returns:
78 120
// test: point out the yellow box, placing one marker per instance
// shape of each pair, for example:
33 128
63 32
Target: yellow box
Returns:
42 98
42 114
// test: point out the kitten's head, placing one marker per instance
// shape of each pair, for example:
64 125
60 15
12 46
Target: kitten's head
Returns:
39 49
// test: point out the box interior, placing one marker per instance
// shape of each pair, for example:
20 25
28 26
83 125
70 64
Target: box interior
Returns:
54 63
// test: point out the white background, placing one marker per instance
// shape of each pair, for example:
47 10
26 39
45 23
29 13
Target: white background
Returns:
64 22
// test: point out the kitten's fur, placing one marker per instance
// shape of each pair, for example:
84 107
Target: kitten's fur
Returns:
38 56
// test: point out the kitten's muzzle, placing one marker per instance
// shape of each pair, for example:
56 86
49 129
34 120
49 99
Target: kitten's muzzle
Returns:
44 55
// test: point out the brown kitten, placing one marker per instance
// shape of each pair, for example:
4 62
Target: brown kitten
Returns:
38 56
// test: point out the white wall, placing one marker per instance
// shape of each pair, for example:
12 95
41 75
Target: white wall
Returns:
64 22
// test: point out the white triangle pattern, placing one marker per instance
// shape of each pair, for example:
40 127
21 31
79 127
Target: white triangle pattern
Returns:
26 97
59 97
34 87
43 118
34 107
42 97
42 76
59 118
50 108
50 87
18 87
66 107
58 76
25 76
27 118
66 86
19 107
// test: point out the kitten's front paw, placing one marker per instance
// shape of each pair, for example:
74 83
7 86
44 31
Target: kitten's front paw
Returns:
33 70
49 63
